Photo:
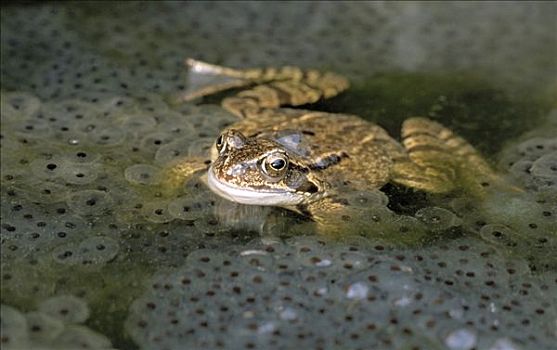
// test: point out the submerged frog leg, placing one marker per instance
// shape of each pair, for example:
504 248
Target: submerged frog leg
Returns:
273 87
440 161
336 219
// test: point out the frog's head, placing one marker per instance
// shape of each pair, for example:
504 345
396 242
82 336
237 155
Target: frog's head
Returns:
260 171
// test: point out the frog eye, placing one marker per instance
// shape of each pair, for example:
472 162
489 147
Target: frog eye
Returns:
275 165
220 143
278 164
230 139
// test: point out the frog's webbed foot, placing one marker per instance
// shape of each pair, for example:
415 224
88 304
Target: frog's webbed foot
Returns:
270 87
439 161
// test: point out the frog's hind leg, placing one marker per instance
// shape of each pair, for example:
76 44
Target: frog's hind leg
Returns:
271 87
439 161
213 89
313 87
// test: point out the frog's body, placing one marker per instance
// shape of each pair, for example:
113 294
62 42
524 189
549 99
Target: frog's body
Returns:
323 150
298 158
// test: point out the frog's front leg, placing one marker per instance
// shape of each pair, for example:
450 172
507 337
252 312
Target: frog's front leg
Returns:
332 218
365 214
174 175
271 87
346 214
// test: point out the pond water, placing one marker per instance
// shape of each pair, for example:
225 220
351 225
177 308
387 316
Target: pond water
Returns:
97 253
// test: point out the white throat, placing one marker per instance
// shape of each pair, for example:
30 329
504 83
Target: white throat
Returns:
248 196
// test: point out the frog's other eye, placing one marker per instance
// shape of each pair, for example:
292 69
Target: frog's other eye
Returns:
220 143
275 165
231 139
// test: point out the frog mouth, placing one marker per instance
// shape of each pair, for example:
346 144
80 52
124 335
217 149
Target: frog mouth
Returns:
249 196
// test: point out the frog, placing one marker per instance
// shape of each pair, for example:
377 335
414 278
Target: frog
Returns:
278 154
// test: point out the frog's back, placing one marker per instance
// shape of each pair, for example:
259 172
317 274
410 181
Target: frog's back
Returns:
342 147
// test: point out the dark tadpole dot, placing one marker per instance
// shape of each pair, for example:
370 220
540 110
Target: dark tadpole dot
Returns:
65 254
8 227
51 166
